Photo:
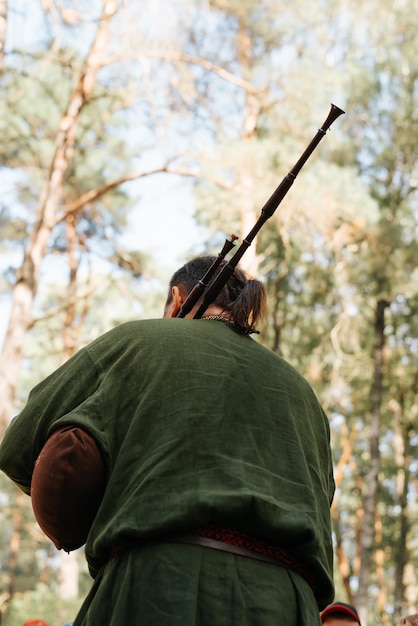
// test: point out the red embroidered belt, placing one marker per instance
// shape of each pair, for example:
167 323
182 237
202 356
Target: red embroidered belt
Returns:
235 542
231 540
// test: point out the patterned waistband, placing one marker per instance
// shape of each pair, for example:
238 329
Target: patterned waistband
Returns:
234 537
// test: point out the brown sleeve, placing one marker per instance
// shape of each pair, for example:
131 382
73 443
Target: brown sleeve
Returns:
67 487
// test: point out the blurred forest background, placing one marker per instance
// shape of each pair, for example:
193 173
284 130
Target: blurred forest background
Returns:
136 134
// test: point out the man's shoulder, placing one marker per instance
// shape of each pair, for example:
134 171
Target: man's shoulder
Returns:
140 330
278 364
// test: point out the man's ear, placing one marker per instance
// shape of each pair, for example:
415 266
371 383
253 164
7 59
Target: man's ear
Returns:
177 299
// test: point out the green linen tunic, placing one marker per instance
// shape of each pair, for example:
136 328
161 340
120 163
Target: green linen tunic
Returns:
198 425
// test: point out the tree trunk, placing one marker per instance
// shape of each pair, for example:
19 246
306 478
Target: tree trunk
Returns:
371 480
379 557
401 444
68 577
27 276
69 566
3 29
15 543
69 343
410 582
342 560
252 108
344 568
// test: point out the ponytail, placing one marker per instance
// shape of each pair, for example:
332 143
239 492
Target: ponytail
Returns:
249 306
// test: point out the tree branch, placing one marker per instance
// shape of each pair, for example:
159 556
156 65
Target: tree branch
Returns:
95 194
207 65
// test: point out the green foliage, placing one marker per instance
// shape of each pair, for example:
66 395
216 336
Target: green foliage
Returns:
41 603
18 532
